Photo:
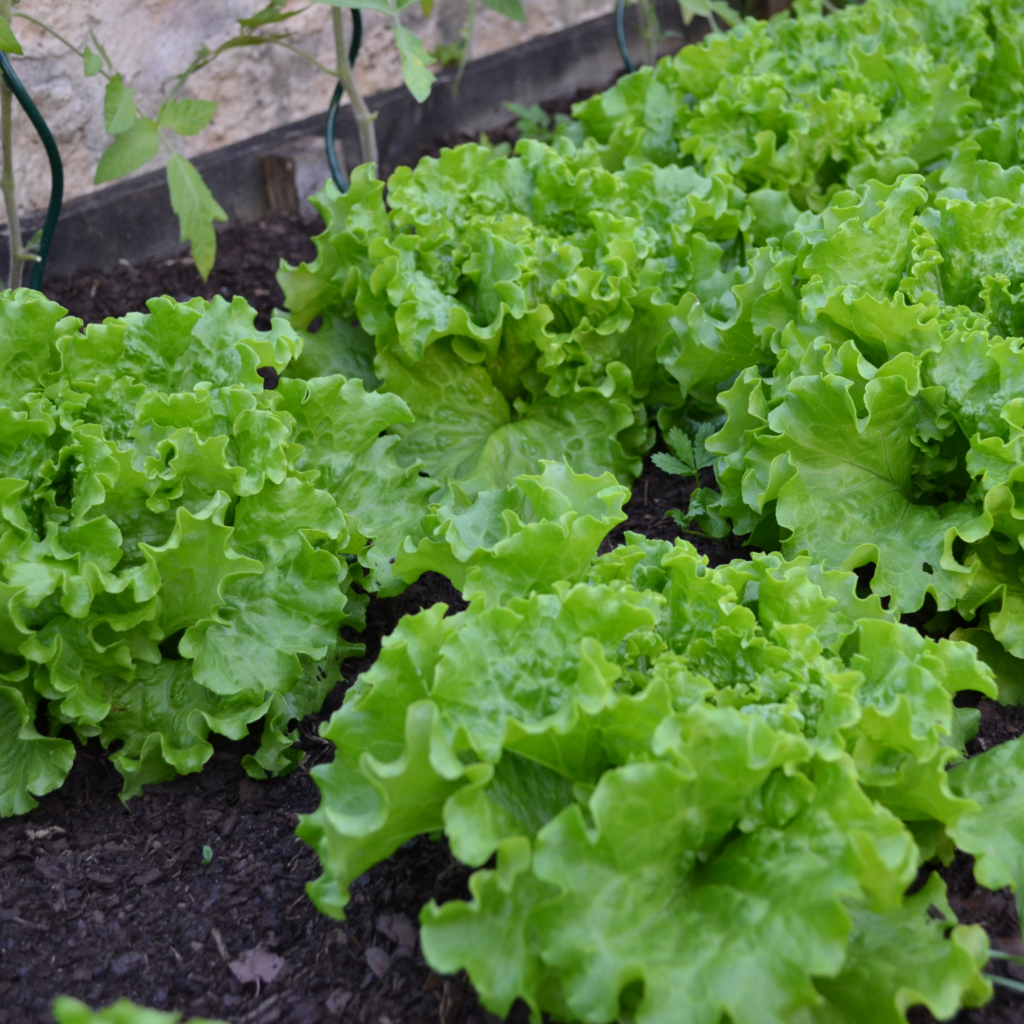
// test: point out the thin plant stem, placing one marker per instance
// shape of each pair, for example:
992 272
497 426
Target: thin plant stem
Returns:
467 46
7 186
364 118
56 35
7 176
305 56
649 29
198 65
998 954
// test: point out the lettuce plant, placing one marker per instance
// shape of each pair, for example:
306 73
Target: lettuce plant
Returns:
797 108
688 792
884 429
72 1011
874 419
177 543
520 306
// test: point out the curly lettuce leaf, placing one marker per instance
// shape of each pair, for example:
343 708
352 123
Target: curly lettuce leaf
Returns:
627 919
177 345
339 425
994 832
848 498
162 723
465 431
913 956
538 531
32 765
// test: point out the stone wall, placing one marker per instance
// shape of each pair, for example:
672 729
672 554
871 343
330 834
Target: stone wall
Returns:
258 88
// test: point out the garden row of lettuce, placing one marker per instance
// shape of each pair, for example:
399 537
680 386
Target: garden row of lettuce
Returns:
812 224
692 793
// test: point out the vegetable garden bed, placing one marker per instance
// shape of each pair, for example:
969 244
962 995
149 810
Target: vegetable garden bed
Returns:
99 903
698 782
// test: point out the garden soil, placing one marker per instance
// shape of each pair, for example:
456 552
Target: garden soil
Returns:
101 901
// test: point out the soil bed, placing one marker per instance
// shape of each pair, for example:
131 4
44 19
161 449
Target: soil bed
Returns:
100 902
247 262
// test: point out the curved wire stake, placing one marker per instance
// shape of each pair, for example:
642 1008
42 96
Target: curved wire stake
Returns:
56 169
332 111
620 34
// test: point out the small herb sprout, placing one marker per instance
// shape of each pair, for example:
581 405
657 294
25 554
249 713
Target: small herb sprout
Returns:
207 855
532 120
689 456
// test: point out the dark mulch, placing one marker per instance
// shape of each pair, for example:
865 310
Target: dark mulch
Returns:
655 494
247 260
100 902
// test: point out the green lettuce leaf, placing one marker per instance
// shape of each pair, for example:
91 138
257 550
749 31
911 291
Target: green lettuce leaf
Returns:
339 425
33 765
527 537
993 832
466 432
72 1011
907 958
628 920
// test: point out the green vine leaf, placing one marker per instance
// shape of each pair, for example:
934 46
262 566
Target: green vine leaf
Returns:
273 12
507 8
8 44
414 58
186 117
129 151
92 61
196 208
708 9
119 111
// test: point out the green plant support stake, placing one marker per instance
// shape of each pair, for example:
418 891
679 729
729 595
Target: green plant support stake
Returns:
56 169
332 111
620 35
